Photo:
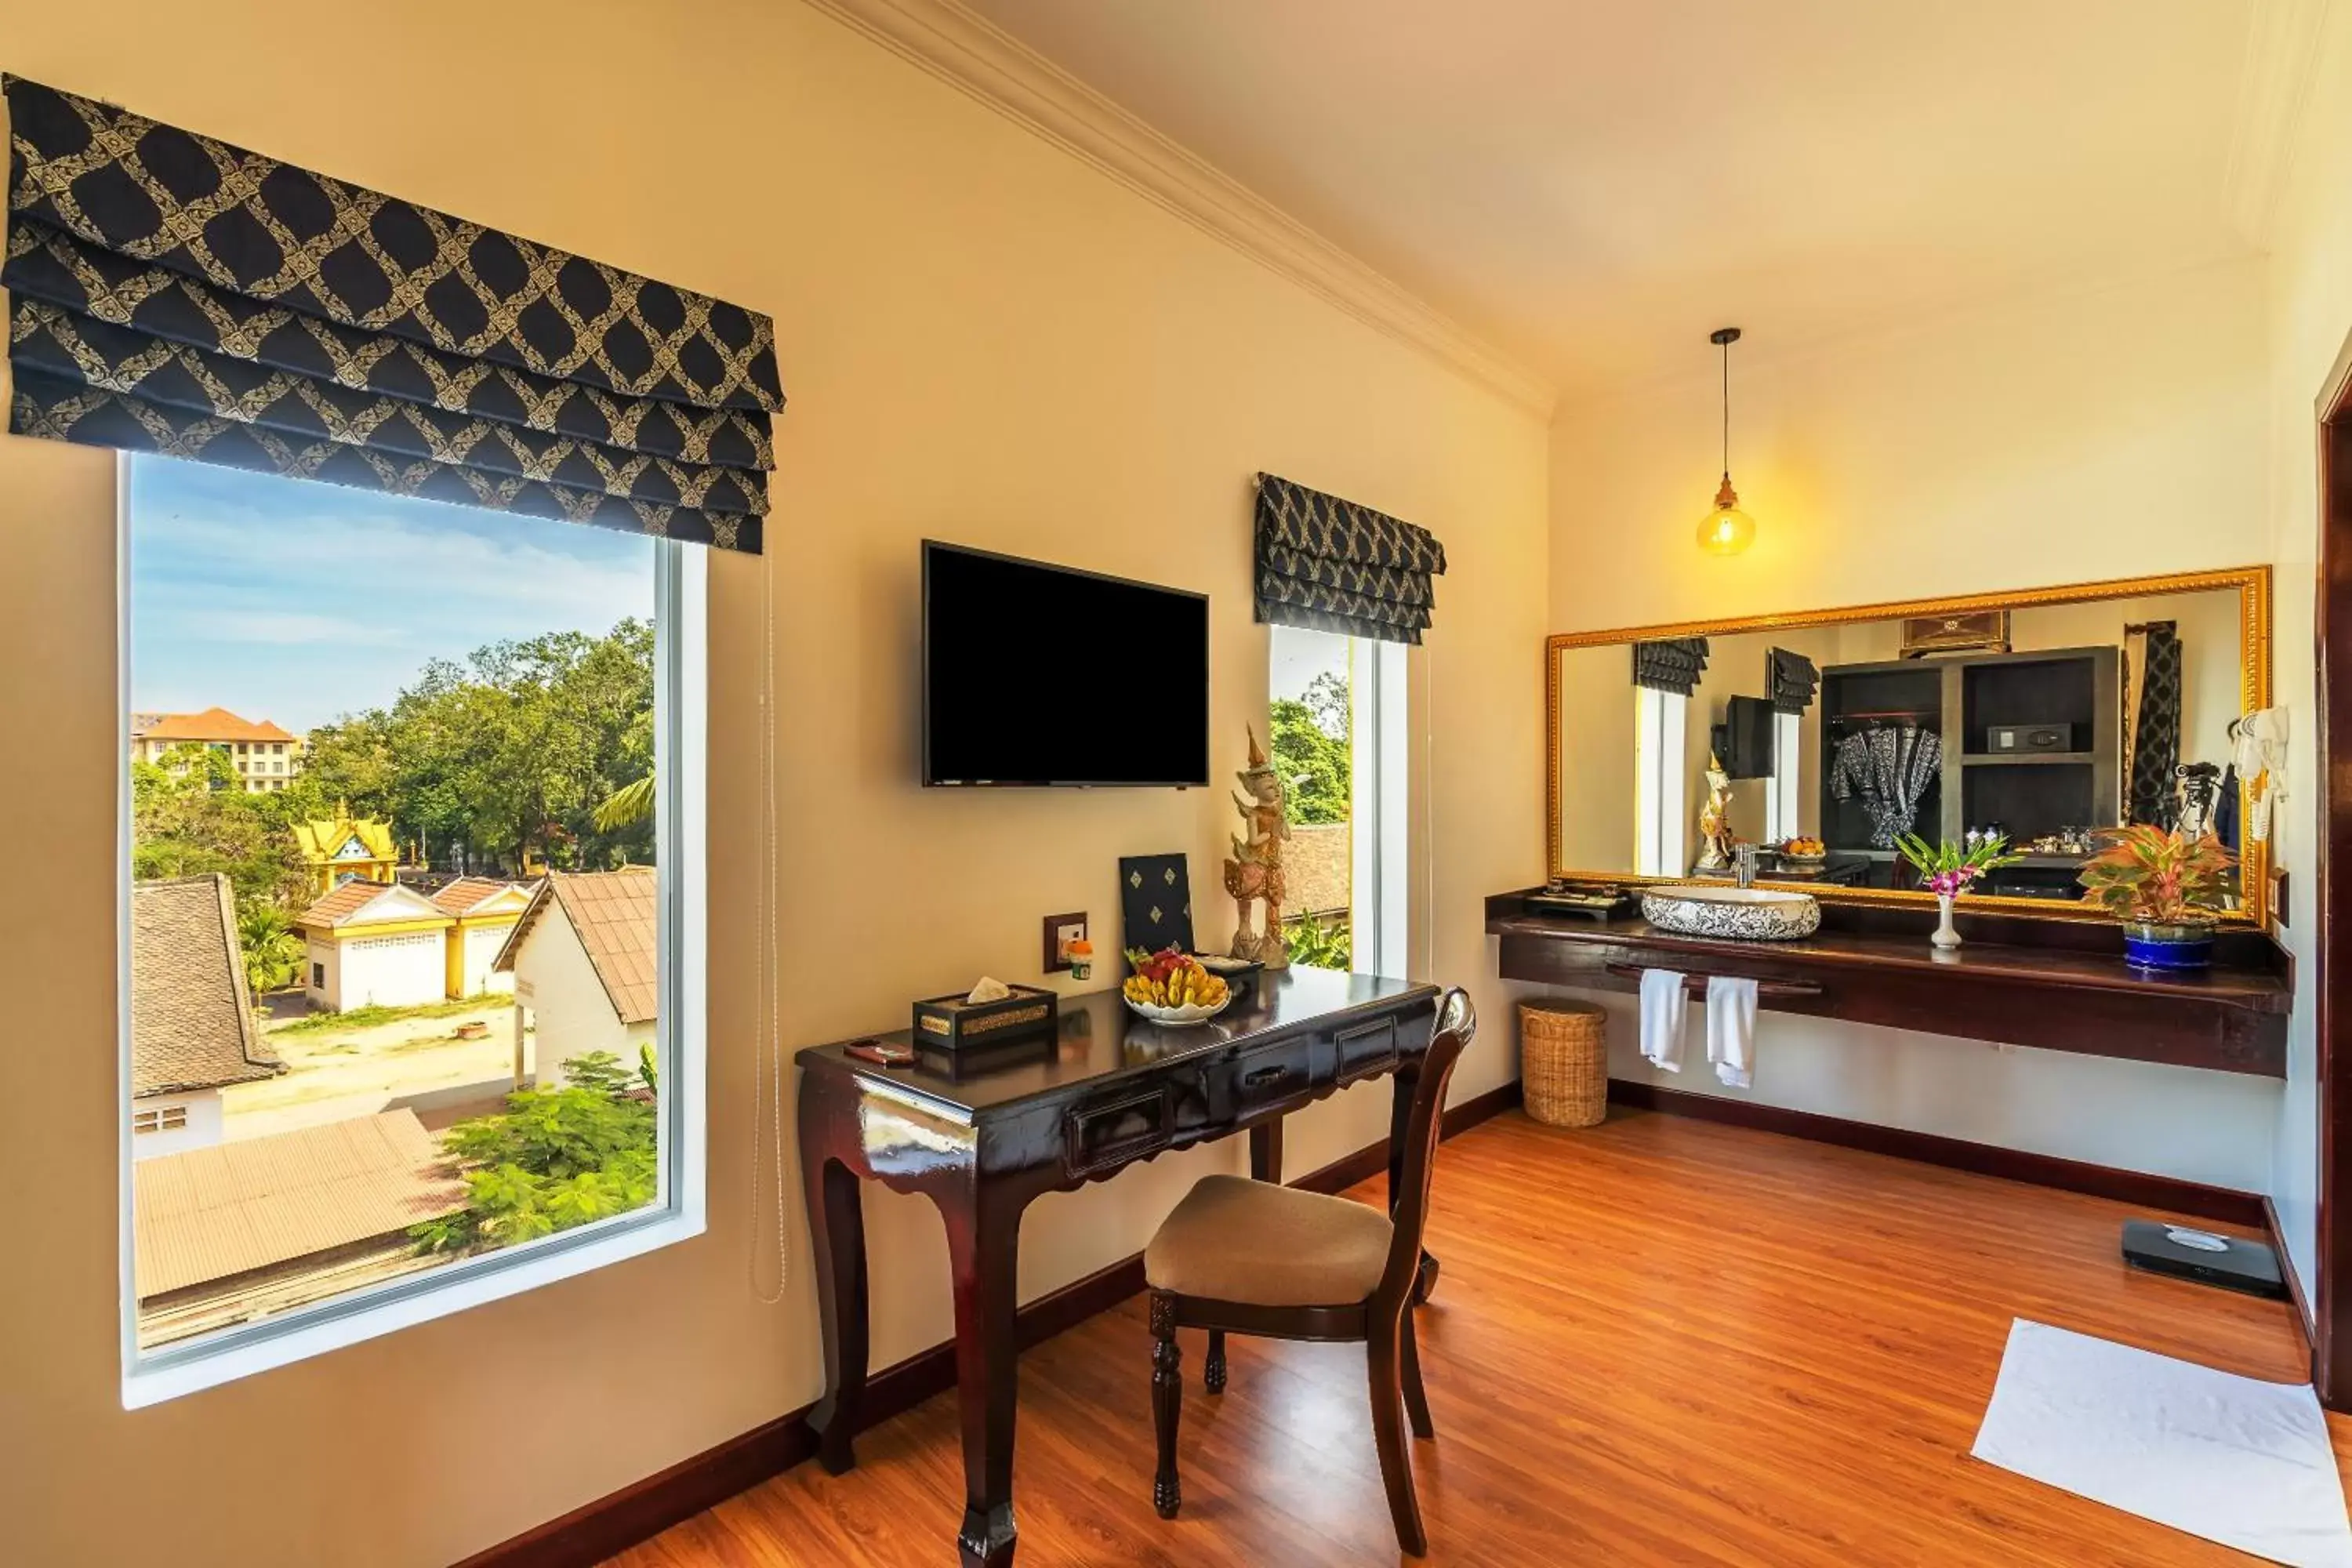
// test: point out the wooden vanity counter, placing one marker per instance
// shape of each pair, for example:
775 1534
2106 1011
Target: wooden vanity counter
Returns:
2056 983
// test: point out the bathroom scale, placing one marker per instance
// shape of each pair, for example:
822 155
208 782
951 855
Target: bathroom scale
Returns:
2188 1253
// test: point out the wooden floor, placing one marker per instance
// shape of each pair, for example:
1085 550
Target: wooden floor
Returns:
1657 1342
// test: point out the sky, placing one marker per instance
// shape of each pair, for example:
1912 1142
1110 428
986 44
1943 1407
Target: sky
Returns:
297 601
1296 655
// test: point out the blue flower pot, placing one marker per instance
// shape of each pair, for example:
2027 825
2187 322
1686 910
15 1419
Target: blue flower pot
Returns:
2148 945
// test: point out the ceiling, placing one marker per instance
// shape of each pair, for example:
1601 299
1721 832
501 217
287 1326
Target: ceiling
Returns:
1592 186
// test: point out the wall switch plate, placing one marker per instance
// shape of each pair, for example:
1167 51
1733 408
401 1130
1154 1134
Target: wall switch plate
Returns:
1060 931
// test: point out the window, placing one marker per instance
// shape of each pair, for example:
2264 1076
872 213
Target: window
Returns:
1337 731
1662 824
570 660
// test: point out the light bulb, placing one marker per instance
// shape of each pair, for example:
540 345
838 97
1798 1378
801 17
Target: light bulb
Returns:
1728 531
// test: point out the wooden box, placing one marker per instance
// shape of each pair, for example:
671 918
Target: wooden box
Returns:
1975 630
952 1023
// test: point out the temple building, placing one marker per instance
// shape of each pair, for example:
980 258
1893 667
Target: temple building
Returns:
346 849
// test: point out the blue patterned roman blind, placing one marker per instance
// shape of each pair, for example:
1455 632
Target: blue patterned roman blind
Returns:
1334 566
171 293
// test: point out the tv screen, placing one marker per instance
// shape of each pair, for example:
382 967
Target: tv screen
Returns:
1042 675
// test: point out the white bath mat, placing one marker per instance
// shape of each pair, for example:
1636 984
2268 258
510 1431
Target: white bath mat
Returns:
2233 1460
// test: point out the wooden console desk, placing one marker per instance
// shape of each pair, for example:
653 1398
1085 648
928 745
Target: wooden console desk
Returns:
983 1136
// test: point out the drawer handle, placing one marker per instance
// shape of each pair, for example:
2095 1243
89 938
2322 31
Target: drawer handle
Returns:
1696 983
1264 1075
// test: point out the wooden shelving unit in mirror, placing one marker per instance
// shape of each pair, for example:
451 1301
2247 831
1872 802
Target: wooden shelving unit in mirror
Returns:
2027 744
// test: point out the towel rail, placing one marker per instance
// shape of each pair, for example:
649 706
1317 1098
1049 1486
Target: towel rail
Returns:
1696 985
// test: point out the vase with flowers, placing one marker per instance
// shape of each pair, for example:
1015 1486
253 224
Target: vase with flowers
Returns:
2167 888
1947 870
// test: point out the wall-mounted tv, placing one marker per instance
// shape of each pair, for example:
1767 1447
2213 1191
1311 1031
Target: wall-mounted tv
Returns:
1043 675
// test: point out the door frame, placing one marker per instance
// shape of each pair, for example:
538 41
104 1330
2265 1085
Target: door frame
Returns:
2331 1326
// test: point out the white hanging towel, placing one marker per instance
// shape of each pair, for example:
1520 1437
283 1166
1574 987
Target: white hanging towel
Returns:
1731 1029
1662 1018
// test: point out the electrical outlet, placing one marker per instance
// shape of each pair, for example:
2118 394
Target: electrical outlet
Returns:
1060 931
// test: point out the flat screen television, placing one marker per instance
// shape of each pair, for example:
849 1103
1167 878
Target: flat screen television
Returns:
1042 675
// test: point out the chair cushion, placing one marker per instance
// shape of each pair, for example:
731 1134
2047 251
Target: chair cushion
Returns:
1233 1240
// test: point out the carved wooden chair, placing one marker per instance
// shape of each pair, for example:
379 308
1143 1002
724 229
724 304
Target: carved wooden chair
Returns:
1251 1257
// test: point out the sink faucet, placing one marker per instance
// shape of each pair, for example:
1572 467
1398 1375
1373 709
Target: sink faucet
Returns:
1743 864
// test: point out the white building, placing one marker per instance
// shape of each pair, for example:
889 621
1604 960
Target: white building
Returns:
486 910
192 1025
375 945
583 959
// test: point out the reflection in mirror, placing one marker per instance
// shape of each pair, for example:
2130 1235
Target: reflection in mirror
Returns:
1822 744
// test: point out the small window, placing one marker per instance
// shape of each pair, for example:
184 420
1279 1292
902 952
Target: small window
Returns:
1662 826
168 1118
1336 731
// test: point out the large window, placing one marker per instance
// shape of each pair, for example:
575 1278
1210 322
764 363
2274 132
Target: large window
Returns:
1337 718
421 1018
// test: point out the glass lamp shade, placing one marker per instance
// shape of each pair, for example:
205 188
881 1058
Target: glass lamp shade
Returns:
1728 531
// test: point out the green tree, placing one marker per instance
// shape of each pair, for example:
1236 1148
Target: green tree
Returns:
1318 944
1311 750
184 826
273 950
508 753
553 1159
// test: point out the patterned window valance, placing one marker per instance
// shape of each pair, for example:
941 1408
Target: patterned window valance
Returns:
1793 680
1335 566
172 293
1670 664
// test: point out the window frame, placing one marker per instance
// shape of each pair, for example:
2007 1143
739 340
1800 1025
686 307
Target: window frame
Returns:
1661 805
1379 736
681 727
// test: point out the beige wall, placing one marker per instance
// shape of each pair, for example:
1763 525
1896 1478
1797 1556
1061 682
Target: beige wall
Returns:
2054 440
985 341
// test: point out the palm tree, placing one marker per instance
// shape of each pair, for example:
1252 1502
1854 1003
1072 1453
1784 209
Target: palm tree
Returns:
272 949
626 806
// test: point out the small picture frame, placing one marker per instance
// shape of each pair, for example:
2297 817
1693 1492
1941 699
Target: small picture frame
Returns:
1155 902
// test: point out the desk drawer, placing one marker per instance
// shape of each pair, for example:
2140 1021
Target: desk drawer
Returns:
1367 1050
1110 1131
1270 1075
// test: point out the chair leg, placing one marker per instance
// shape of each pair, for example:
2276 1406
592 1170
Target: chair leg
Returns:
1416 1399
1167 1401
1381 1351
1212 1373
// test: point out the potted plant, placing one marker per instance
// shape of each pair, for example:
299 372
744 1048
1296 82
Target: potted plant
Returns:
2167 889
1947 870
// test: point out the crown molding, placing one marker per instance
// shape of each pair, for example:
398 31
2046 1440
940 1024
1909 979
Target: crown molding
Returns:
2283 48
970 53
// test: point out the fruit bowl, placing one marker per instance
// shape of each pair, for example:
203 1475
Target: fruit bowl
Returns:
1174 988
1178 1017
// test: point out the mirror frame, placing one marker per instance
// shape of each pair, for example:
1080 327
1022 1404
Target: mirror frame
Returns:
2252 585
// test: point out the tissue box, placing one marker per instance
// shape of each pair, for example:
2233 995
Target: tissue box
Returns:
952 1023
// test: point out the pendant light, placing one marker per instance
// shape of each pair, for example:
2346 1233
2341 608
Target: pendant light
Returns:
1728 531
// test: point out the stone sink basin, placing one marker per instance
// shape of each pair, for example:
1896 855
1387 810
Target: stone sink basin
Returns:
1744 914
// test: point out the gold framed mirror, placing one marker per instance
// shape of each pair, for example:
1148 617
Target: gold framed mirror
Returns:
2045 714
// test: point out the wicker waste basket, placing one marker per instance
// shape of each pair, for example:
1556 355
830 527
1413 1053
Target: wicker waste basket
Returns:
1564 1062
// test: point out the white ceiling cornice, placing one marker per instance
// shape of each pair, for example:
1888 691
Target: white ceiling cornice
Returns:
970 53
2282 53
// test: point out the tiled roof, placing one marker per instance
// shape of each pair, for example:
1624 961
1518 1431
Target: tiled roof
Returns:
458 897
191 1017
341 906
212 724
613 914
208 1213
